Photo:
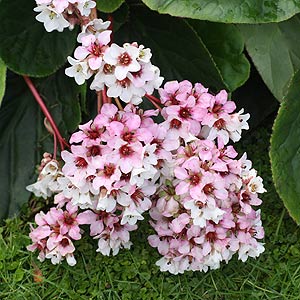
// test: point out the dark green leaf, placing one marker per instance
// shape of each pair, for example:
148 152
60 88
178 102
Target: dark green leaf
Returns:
108 6
26 47
18 145
61 95
22 134
275 51
228 11
2 79
285 150
226 45
177 49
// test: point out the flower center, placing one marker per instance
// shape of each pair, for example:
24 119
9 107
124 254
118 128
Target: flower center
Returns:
211 236
208 189
108 69
194 179
96 50
109 170
80 162
184 113
125 150
65 242
68 219
175 124
124 83
125 59
93 134
94 151
220 124
217 108
128 136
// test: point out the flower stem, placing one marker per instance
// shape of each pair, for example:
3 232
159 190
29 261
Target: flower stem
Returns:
118 103
154 102
46 112
99 101
153 98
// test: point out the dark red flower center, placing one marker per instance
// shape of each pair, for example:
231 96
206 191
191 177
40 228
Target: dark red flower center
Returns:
208 189
125 150
175 124
108 69
125 59
81 162
128 136
194 179
184 112
65 242
109 170
68 219
124 83
94 151
96 50
211 236
217 108
220 124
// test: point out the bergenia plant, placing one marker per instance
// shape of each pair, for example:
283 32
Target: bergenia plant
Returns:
184 172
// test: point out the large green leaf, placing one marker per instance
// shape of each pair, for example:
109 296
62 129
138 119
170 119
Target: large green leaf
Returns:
18 145
61 95
226 45
108 6
177 49
228 11
275 51
26 47
2 79
285 150
23 137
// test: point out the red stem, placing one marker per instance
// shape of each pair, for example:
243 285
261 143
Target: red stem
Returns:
154 102
110 18
46 112
153 98
104 95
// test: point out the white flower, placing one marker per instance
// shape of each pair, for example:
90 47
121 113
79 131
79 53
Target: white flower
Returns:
125 60
97 24
131 216
85 7
51 18
79 70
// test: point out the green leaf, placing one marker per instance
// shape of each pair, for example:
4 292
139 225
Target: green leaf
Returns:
2 79
108 6
285 150
275 51
18 137
26 47
23 137
61 94
228 11
226 45
177 49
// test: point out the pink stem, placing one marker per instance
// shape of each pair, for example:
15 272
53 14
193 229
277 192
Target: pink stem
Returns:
153 98
46 112
154 102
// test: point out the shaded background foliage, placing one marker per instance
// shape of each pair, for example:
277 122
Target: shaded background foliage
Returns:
258 63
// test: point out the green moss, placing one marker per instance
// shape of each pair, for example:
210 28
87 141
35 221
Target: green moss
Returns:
133 274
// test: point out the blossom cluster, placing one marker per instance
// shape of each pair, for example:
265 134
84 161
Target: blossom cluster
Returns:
110 172
60 14
122 163
126 72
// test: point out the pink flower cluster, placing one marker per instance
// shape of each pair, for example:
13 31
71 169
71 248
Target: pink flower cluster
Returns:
126 71
60 14
122 164
55 232
203 211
